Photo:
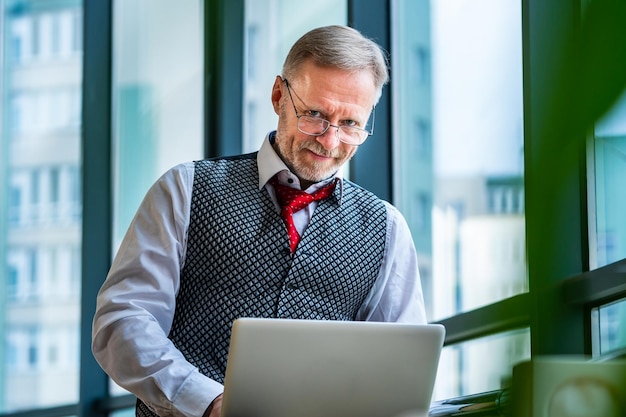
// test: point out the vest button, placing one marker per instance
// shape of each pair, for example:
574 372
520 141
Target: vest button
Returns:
292 286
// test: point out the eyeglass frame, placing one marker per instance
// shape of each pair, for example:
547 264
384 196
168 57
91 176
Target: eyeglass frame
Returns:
329 125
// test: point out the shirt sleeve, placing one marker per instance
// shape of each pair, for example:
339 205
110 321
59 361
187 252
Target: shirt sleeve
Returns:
135 305
397 294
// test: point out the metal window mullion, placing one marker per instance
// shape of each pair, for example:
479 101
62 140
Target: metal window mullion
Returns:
97 190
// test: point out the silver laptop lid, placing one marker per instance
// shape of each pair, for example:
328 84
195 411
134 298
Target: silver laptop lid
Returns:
312 368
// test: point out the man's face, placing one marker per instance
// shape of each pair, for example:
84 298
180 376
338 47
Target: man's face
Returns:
339 96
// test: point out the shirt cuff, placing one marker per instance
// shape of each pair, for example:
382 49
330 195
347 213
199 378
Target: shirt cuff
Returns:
196 394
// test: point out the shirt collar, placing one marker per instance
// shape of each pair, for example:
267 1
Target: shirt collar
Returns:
270 164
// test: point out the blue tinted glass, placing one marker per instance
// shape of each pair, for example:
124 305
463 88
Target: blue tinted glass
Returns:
610 198
458 147
612 332
157 99
40 216
459 169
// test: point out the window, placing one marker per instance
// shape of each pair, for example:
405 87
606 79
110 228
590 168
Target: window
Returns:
476 159
33 352
272 26
76 31
54 191
157 96
608 334
55 35
607 229
11 282
35 187
609 161
157 99
420 213
422 142
19 39
422 65
18 107
34 35
36 182
464 157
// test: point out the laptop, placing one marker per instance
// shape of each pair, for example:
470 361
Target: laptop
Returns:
313 368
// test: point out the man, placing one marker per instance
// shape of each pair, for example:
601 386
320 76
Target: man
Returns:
208 243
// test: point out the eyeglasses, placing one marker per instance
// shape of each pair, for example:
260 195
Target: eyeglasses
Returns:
317 126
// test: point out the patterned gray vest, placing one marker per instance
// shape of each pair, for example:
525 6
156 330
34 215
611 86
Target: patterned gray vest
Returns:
238 262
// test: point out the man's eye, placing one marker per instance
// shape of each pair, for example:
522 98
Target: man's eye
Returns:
313 113
351 123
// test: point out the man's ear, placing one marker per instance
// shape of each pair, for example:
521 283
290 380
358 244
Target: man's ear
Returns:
277 93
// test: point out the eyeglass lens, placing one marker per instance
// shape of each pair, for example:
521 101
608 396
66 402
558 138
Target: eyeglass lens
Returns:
317 126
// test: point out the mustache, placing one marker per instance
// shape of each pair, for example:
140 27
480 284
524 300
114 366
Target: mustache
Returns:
318 149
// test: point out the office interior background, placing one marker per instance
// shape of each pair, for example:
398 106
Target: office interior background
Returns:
522 246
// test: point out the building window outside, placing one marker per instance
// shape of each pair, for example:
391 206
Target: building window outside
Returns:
76 31
16 113
422 64
423 138
19 39
420 213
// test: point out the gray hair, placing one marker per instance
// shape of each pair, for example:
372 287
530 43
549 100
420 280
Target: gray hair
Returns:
339 47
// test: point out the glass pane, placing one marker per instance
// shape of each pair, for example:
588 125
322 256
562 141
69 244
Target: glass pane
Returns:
458 147
272 26
157 96
609 333
610 198
40 210
463 369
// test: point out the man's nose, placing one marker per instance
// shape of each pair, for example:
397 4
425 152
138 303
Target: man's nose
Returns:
330 139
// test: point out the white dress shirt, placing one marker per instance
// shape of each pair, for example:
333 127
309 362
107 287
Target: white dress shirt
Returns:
136 303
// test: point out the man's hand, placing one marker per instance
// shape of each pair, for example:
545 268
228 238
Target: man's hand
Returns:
215 408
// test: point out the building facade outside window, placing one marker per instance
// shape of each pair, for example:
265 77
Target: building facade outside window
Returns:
458 169
40 218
